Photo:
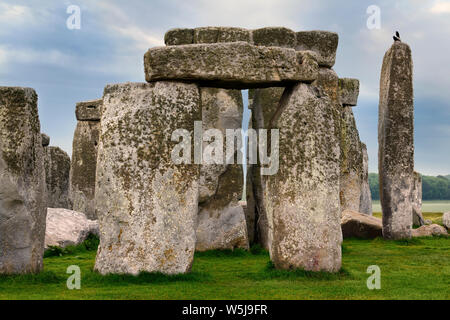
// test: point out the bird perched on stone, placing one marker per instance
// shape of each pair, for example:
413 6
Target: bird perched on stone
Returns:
397 36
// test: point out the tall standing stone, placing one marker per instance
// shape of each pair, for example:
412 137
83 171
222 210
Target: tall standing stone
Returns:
303 197
418 219
22 183
263 104
146 203
57 171
84 157
396 141
365 203
221 219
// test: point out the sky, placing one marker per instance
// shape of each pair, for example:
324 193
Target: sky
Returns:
66 66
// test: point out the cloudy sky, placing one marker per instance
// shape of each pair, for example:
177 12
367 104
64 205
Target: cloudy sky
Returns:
66 66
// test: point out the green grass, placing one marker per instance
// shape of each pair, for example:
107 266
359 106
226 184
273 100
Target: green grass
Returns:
435 217
414 269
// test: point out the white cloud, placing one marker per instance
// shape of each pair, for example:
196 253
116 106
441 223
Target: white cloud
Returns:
119 22
440 7
11 55
14 14
142 38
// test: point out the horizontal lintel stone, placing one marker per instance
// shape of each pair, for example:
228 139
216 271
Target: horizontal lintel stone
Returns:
236 65
324 43
348 91
89 110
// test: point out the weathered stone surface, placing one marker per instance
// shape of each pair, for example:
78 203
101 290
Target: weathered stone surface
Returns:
396 141
274 37
236 65
57 172
221 218
83 167
22 182
221 34
263 103
179 36
89 110
45 140
303 197
68 228
446 220
365 203
327 81
359 225
348 91
324 43
146 204
250 208
416 194
429 231
352 162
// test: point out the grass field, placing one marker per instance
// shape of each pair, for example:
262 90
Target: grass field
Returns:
415 269
437 206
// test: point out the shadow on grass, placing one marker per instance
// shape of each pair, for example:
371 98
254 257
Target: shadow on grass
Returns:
145 278
255 250
45 277
270 272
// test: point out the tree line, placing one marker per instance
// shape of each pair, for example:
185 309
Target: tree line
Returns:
433 188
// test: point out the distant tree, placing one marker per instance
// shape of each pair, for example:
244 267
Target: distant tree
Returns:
374 186
433 188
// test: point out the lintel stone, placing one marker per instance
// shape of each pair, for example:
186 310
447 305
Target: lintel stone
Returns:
89 110
349 91
237 65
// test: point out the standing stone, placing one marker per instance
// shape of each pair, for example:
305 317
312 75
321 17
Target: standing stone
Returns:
303 197
418 219
146 203
221 218
446 220
396 141
84 157
57 171
365 203
352 163
263 103
22 183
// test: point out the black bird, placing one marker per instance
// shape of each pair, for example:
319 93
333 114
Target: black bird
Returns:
397 36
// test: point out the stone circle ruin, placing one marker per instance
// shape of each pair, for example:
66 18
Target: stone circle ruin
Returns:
154 213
